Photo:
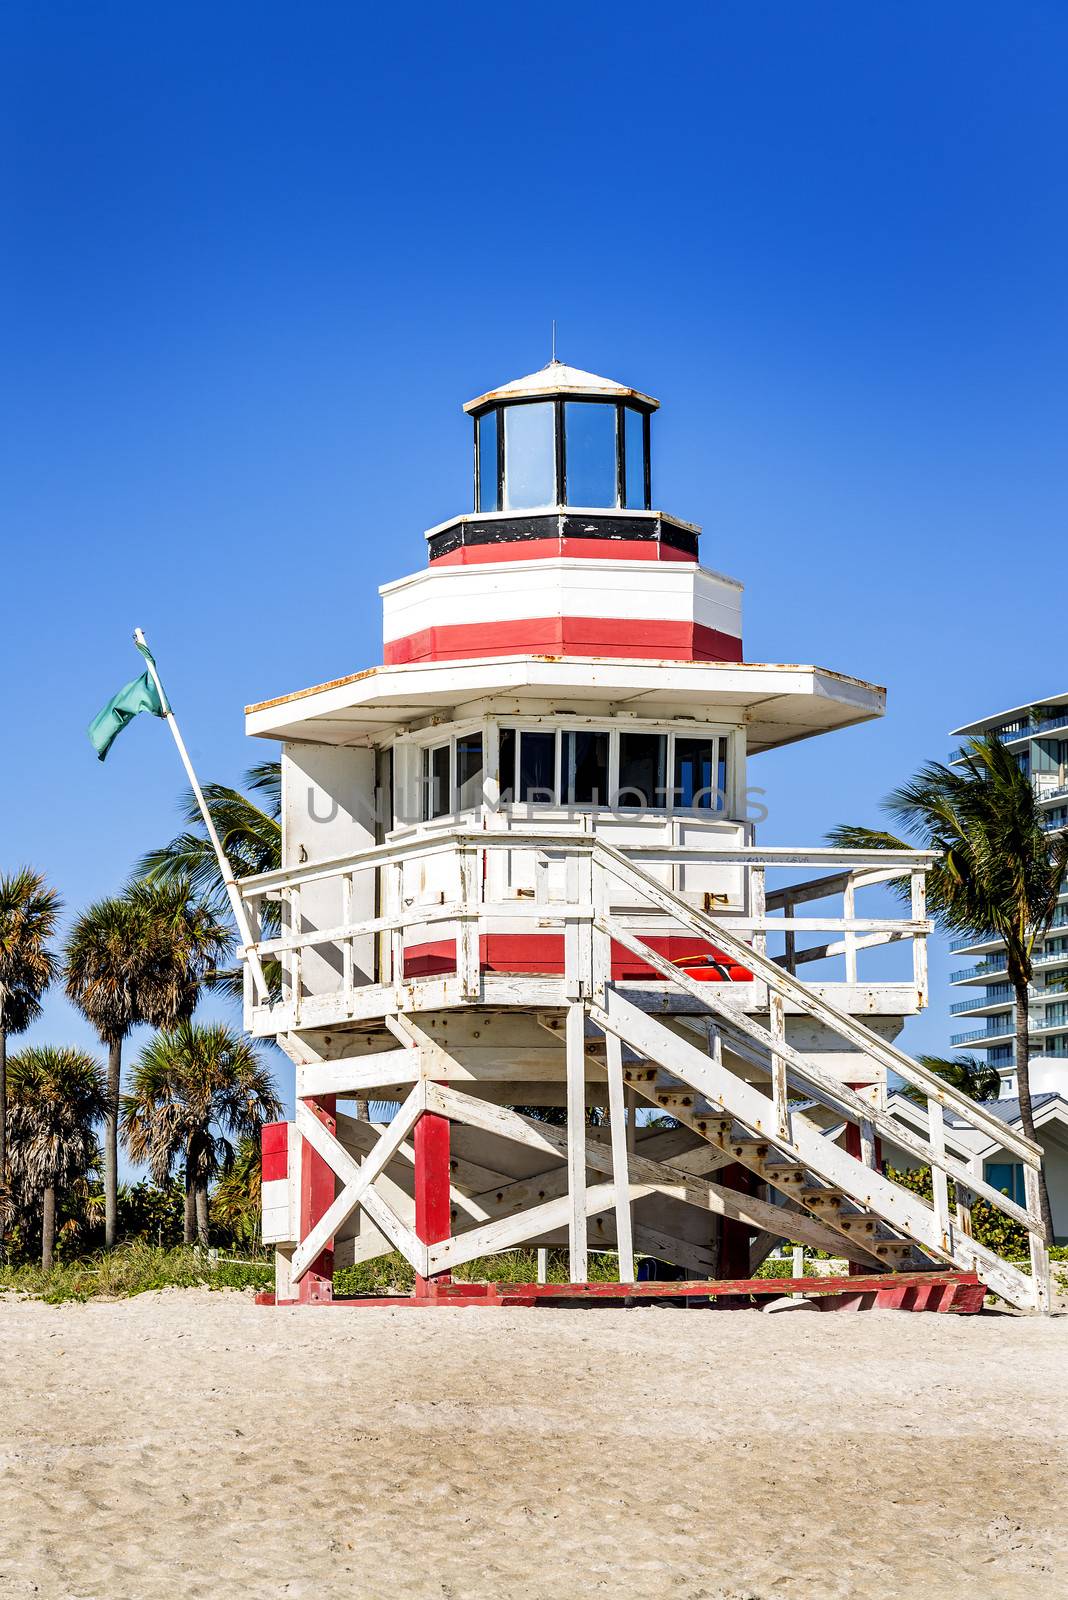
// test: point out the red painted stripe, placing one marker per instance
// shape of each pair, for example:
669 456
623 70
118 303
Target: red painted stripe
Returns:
543 954
945 1291
274 1151
318 1186
469 555
575 636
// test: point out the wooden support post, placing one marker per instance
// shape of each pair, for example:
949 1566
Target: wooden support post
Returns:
632 1121
318 1186
863 1144
576 1140
1038 1249
734 1235
617 1118
433 1215
543 1264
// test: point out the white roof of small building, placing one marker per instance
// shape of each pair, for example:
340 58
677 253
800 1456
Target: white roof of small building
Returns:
1011 715
558 378
777 704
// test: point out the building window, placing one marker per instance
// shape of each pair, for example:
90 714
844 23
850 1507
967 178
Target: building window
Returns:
529 456
1008 1176
437 782
537 768
700 777
642 769
469 772
590 454
590 766
585 768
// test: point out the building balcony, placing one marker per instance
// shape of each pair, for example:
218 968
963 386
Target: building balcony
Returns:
982 972
981 1005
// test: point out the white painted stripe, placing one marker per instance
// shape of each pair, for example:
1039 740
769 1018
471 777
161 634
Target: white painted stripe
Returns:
513 591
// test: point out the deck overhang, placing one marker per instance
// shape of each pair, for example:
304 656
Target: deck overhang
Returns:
779 704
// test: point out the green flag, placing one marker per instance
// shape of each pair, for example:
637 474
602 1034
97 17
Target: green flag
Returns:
140 695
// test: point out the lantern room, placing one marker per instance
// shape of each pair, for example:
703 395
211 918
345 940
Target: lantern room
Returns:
562 437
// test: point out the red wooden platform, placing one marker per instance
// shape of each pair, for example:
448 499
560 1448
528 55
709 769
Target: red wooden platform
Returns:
959 1292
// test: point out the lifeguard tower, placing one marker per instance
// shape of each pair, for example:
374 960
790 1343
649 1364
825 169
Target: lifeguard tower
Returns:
519 872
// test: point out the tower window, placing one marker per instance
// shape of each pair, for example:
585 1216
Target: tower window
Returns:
590 453
487 463
529 456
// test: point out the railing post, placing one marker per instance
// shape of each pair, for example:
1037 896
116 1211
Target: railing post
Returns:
849 938
617 1126
758 906
248 987
394 894
347 952
919 940
601 940
790 951
296 928
467 953
936 1138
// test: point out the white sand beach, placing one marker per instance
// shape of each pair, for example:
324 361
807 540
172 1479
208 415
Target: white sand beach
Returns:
191 1444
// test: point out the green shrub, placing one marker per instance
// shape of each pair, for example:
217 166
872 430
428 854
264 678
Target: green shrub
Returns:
132 1269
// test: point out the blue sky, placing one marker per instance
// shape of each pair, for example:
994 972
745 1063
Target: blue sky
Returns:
254 259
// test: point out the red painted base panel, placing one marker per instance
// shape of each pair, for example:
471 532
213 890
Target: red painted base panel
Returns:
543 953
959 1292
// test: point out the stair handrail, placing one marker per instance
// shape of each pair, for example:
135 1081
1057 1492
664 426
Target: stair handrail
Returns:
794 989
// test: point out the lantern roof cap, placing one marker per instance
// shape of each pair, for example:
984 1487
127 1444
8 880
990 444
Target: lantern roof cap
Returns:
556 378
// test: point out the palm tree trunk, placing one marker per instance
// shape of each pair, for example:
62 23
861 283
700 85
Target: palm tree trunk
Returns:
189 1223
202 1214
111 1145
1023 1090
48 1227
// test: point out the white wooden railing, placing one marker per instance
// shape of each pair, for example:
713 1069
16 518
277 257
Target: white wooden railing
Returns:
458 882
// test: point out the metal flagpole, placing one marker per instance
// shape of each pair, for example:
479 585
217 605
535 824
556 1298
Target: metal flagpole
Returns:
237 906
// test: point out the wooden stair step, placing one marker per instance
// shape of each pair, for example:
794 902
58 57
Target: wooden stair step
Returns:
813 1194
856 1222
788 1174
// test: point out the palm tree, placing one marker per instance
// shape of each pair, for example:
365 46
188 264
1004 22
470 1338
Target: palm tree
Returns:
251 836
236 1202
140 957
970 1074
196 1090
998 874
29 911
57 1095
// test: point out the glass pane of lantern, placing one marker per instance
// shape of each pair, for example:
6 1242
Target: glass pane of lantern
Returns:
590 454
529 456
507 767
487 462
585 768
635 454
642 769
537 767
469 771
697 774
